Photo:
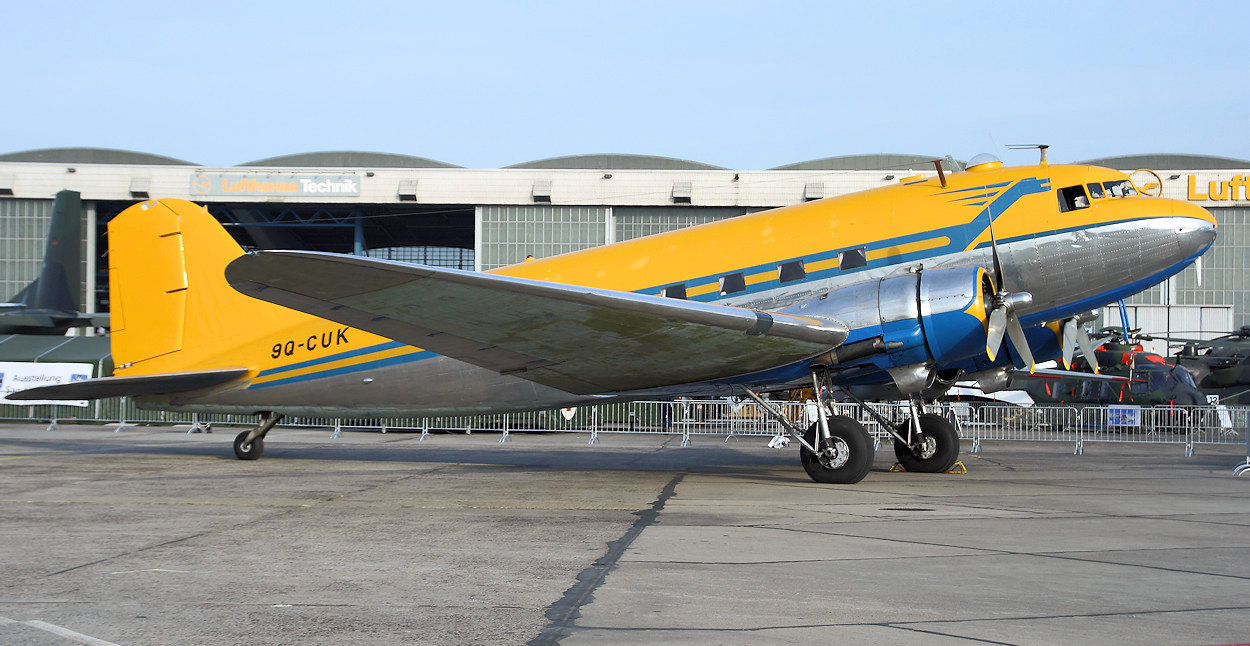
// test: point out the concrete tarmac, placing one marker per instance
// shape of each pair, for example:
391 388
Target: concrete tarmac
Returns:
152 536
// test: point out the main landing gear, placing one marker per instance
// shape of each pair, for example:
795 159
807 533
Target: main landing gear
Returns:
249 445
837 449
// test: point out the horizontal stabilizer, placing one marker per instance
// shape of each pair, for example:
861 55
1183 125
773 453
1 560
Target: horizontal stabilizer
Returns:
166 384
579 339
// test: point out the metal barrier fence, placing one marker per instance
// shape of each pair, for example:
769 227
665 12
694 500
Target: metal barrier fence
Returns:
1184 426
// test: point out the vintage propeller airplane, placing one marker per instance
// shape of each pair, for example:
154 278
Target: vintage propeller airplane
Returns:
904 288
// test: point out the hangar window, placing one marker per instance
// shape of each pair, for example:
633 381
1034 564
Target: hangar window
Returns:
732 284
674 291
791 271
852 259
1095 191
1119 188
1072 198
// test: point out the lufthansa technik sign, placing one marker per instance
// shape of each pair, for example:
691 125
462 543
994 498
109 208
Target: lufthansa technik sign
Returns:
292 184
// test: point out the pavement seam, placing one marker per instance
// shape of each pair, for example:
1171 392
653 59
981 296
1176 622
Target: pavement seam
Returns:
911 625
564 612
1050 555
267 517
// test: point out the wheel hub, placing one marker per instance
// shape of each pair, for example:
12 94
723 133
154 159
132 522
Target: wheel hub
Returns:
835 454
925 448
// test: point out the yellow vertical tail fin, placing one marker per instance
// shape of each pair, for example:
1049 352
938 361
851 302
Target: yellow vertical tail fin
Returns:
172 310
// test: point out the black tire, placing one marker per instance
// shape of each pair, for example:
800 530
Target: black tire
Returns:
852 460
253 451
940 443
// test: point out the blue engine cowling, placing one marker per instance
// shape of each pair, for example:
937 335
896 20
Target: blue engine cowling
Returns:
934 317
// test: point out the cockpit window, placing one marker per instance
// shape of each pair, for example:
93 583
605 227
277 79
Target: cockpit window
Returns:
1119 188
1072 198
1095 191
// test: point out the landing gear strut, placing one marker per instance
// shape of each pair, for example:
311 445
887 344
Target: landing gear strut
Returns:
249 445
833 450
924 443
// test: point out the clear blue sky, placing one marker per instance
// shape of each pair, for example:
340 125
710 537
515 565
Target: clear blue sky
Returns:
741 85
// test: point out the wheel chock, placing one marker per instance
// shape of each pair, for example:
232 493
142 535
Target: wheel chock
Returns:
897 468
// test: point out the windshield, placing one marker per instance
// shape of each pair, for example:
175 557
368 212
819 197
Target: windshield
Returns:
1119 188
1182 375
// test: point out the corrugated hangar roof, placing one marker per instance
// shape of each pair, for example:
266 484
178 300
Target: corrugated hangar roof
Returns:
879 161
1168 161
616 161
92 156
349 159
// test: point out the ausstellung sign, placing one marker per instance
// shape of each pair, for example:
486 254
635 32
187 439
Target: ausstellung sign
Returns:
275 184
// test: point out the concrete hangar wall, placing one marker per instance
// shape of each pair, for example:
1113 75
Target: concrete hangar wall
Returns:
420 210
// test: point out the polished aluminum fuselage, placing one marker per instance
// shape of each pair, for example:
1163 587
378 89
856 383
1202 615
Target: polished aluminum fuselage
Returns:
1066 272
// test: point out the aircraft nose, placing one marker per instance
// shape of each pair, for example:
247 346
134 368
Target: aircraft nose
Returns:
1196 230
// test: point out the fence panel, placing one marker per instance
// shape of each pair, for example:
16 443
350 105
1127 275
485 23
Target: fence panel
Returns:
1188 426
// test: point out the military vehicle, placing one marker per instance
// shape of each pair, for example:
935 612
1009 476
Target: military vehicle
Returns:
1144 378
1221 366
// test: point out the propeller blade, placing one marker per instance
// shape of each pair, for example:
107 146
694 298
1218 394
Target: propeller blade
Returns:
994 331
1069 342
1016 333
1087 348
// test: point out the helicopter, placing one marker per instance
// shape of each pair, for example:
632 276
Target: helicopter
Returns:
1220 366
1127 374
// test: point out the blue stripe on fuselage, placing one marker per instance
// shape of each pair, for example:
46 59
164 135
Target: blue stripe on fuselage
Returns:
334 357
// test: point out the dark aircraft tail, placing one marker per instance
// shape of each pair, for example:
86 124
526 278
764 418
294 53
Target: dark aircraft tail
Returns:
60 279
50 303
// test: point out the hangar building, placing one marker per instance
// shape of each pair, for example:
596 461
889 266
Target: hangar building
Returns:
419 210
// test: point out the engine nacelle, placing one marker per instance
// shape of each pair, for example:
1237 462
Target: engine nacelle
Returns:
932 317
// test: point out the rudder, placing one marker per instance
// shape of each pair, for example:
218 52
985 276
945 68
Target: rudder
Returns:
171 307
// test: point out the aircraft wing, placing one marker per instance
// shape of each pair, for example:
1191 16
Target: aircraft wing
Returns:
579 339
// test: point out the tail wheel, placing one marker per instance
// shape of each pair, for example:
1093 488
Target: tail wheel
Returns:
249 451
935 450
844 459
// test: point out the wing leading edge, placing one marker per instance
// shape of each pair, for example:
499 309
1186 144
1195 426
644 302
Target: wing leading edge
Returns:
581 340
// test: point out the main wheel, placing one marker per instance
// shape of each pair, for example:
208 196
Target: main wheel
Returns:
251 451
844 459
936 450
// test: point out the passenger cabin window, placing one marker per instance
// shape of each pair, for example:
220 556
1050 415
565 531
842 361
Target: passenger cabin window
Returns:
1095 191
674 291
1119 188
1072 198
788 272
732 284
852 259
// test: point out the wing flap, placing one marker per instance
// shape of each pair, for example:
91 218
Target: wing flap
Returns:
165 384
579 339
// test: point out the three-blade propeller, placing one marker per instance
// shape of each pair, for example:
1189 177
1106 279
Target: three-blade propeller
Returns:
1074 334
1003 319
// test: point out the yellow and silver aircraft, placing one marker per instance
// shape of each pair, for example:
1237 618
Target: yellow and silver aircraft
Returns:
903 289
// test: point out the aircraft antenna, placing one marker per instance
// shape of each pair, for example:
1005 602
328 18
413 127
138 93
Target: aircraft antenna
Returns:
937 163
1041 149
